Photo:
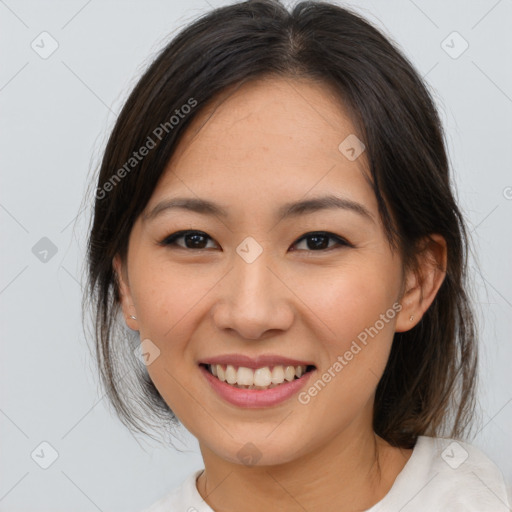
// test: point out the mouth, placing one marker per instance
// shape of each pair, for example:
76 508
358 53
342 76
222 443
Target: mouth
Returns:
262 378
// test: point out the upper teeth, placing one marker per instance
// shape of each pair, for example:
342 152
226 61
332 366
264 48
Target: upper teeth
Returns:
261 377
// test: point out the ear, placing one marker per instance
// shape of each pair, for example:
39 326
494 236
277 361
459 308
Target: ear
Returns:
125 294
423 283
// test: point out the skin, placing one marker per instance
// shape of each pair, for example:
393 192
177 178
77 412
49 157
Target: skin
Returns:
269 142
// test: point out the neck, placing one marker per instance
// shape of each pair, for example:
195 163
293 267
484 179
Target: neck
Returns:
353 471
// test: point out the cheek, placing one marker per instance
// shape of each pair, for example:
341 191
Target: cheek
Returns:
166 309
354 310
170 306
166 298
349 299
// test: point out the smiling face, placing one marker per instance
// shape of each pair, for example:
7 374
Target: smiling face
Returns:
251 283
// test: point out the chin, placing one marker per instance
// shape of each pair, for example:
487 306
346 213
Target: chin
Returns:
259 451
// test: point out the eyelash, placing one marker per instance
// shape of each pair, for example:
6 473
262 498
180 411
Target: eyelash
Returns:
171 239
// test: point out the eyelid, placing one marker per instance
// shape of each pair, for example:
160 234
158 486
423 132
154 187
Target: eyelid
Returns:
170 240
340 241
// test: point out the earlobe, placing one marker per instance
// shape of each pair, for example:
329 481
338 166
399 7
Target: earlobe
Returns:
124 293
423 283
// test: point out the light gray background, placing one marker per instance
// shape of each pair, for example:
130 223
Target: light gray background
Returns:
55 116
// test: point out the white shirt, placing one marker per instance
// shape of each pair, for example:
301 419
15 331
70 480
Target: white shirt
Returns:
442 475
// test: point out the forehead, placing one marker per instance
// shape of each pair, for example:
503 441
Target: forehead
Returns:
268 114
273 139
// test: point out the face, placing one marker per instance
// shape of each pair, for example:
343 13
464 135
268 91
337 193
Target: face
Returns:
317 285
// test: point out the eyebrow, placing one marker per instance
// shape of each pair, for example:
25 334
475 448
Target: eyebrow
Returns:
287 210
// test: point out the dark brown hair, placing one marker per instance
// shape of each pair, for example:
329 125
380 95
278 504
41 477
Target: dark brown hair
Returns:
428 386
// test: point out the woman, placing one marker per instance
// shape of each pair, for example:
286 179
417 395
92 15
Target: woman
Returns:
274 219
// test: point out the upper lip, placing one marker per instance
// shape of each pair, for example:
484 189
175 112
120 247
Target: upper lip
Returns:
256 362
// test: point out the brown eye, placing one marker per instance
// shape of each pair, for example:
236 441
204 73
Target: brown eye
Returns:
319 241
192 239
314 242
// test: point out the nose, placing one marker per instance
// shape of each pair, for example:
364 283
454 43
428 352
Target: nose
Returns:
253 300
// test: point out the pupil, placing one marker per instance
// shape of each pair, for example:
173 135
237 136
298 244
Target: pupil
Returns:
195 237
316 244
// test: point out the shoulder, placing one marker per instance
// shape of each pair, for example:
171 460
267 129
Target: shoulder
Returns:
184 498
448 474
461 462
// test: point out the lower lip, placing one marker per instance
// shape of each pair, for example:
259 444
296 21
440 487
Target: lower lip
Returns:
255 398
